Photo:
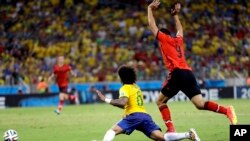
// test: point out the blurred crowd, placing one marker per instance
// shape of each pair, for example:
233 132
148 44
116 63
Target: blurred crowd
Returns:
96 39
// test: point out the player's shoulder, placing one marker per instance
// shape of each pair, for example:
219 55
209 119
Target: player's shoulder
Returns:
162 37
123 91
130 87
124 87
160 34
67 66
179 37
55 67
127 87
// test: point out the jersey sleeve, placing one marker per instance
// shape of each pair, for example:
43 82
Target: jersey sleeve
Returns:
180 40
54 70
68 68
123 92
161 36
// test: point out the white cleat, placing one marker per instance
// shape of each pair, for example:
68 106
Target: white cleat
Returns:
57 112
193 135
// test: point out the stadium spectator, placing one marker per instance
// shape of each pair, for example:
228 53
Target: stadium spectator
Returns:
34 33
74 96
42 86
248 79
20 91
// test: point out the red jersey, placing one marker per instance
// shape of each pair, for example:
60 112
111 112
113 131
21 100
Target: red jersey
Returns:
61 73
172 51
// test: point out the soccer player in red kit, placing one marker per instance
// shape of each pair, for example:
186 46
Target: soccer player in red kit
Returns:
60 72
181 76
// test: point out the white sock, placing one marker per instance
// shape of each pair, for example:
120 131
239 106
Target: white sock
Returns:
109 136
176 136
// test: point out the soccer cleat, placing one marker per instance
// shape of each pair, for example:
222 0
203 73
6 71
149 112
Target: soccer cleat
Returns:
57 112
193 135
231 115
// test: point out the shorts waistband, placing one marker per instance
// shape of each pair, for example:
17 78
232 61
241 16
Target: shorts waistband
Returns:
138 113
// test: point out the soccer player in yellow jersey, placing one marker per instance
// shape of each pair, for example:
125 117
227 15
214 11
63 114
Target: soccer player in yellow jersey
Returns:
136 117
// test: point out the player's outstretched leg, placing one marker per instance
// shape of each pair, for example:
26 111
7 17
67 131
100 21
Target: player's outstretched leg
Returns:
213 106
170 136
192 135
109 136
111 133
165 112
59 108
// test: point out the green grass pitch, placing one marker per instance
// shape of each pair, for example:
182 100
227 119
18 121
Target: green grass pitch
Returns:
90 122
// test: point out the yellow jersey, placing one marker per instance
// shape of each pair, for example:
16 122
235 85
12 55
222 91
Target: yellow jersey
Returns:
135 98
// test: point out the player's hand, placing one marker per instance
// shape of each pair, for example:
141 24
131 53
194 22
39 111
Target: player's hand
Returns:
73 73
154 4
100 95
175 9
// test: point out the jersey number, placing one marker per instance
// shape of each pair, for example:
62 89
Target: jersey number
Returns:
178 49
139 98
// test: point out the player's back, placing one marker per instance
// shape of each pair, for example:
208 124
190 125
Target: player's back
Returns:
172 51
135 98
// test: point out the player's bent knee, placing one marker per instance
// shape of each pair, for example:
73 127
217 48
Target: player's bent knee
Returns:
162 100
117 129
158 103
61 97
157 135
199 105
198 102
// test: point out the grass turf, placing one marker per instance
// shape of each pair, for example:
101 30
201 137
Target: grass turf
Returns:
90 122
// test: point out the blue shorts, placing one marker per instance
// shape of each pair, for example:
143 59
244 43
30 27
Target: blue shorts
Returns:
138 121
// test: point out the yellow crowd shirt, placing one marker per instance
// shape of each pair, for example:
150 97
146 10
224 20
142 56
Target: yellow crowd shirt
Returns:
135 98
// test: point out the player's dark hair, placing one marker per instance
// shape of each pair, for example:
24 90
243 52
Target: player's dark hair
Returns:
165 31
127 75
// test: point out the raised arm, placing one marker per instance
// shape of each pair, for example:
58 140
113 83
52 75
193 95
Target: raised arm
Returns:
151 19
174 11
121 102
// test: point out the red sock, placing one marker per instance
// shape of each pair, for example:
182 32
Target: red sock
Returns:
213 106
60 106
165 112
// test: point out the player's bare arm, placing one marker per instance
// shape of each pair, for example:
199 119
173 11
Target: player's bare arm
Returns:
50 78
174 11
121 102
73 73
151 19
